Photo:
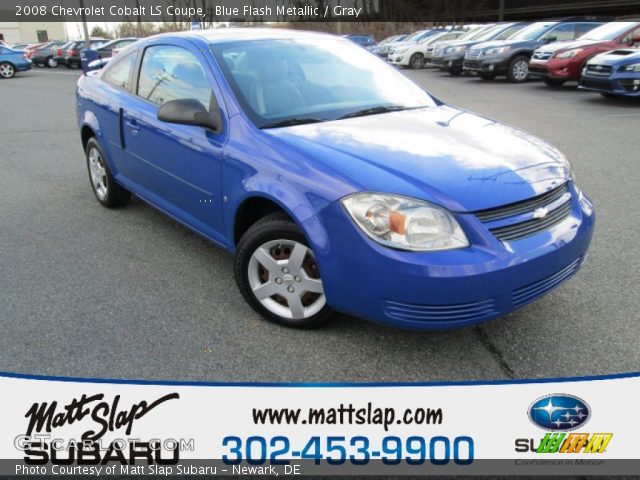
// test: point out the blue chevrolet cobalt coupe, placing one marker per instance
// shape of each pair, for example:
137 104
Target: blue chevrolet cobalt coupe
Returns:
338 183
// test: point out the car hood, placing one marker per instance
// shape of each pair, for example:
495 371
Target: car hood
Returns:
459 160
509 43
619 57
570 45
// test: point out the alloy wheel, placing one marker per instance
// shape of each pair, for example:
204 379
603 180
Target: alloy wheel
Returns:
52 62
284 277
98 173
7 70
521 70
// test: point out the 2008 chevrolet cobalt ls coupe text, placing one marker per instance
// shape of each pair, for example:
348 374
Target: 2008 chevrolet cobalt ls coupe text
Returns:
338 183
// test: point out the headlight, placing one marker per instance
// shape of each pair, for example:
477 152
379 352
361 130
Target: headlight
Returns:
496 50
569 53
634 67
453 49
405 223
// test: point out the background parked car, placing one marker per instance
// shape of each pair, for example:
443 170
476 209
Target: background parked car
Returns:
366 41
71 54
437 59
413 38
46 54
382 48
561 61
58 53
12 61
414 55
612 74
106 50
19 47
511 57
452 58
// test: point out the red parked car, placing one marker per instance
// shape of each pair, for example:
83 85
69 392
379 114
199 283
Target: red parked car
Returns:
562 61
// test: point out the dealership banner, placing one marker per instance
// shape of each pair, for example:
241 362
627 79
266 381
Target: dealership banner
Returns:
57 426
210 11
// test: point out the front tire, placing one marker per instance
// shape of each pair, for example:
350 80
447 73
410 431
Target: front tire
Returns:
278 276
105 188
416 61
7 70
518 71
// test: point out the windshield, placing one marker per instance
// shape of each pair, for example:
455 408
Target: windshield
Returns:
488 34
608 31
414 36
305 80
533 32
475 33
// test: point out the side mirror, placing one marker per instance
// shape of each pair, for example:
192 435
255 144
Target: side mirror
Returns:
551 39
189 111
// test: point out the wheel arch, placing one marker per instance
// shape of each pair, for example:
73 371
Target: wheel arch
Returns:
251 209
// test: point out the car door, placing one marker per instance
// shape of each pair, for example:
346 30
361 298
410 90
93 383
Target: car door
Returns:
176 167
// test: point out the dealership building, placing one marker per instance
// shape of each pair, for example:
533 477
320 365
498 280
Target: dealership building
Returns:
31 32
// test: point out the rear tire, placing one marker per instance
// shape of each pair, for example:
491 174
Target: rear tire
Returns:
7 70
416 61
554 82
51 62
274 267
104 186
518 71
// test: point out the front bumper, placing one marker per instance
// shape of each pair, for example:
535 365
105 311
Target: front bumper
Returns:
497 65
444 290
558 69
398 59
623 84
448 62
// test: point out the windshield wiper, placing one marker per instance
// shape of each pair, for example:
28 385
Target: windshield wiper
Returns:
376 111
293 121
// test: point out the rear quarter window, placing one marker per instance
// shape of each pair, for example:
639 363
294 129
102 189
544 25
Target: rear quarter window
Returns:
119 73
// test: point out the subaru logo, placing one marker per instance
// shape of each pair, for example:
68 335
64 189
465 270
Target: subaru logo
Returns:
559 412
597 67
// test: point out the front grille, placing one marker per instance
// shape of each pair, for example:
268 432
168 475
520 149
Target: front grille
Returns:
472 54
531 227
522 229
524 206
440 313
542 55
597 84
437 61
604 70
471 64
527 294
539 70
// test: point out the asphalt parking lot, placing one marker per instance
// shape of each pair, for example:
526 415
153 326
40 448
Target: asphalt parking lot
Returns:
91 292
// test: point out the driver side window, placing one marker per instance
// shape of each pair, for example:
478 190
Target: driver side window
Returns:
561 33
172 73
629 37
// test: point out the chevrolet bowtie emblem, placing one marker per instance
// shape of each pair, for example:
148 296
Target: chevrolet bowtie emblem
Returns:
540 213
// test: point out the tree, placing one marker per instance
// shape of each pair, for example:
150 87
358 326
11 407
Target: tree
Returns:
98 31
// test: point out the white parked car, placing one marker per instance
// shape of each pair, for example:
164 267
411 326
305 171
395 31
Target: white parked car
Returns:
415 54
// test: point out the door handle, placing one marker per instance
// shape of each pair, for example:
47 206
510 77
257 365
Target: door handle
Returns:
133 125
